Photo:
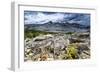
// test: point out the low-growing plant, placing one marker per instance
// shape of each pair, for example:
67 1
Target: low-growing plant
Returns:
72 52
70 33
33 33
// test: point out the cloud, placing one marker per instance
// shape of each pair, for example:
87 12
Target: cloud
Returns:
41 18
33 17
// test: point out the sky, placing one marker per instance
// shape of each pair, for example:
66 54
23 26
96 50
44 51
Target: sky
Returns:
39 17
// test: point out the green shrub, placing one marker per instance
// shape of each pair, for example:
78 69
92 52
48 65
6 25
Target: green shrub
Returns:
70 33
72 52
33 33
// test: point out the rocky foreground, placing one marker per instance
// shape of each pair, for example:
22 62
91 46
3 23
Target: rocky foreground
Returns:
57 47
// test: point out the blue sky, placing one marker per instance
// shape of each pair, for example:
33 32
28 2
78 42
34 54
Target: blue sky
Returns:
38 17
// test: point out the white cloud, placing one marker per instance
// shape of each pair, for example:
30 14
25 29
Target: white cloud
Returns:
43 18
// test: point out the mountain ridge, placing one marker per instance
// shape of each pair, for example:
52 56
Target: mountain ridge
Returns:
58 26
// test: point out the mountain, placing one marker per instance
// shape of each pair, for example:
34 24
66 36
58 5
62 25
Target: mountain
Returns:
58 27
